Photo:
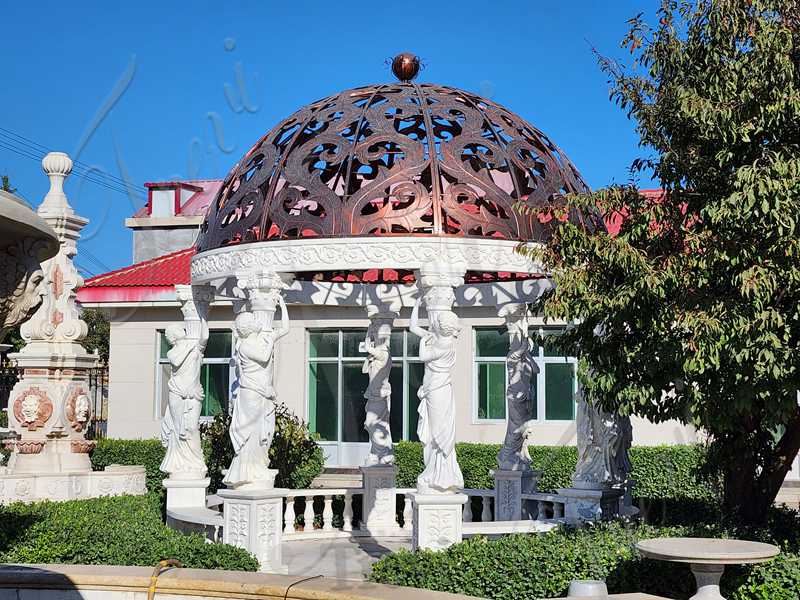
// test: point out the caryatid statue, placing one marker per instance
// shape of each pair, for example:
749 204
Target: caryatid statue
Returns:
437 350
604 439
520 371
180 428
253 421
378 365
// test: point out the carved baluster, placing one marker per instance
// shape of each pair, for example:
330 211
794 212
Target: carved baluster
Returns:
468 511
347 515
308 514
486 509
327 514
408 512
288 515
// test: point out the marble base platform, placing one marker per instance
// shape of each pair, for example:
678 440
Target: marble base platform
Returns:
509 487
582 505
253 520
380 501
437 520
186 493
115 480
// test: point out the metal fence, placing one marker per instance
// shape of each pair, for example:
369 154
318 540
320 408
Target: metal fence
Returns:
98 394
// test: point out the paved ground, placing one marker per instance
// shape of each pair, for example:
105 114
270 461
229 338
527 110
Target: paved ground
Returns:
345 559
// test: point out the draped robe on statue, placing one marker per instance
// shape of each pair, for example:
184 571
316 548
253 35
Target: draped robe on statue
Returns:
253 420
436 428
180 433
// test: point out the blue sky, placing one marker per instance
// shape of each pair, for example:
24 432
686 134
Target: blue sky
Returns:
166 65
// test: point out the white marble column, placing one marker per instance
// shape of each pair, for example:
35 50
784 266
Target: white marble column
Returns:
437 504
180 429
252 507
514 475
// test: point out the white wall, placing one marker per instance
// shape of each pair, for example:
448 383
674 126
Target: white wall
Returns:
133 368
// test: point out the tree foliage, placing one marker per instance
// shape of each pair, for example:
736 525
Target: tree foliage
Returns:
692 311
99 333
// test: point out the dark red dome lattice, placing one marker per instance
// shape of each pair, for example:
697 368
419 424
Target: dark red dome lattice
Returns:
394 159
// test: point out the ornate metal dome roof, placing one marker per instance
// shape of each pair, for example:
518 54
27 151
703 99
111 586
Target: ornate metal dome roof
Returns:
393 159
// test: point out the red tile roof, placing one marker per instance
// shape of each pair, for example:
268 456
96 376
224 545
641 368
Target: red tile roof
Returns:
168 270
197 204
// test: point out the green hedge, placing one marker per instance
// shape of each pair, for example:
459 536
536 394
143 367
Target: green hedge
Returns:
294 453
660 472
542 566
124 530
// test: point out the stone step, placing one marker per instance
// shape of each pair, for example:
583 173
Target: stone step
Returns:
337 477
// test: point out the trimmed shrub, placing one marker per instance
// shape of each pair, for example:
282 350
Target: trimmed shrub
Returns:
124 530
538 566
294 453
542 566
661 472
149 453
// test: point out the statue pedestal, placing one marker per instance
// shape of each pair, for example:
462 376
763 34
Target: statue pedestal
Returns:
186 493
590 504
508 489
437 520
380 500
254 521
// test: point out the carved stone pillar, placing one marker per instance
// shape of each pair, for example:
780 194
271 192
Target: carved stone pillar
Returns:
180 432
49 406
253 520
253 419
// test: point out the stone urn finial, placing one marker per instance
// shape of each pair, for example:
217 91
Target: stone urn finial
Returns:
57 166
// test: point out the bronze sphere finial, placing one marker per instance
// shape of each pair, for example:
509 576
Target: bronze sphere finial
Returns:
405 66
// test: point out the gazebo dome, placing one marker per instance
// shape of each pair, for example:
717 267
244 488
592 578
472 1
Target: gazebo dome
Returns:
395 160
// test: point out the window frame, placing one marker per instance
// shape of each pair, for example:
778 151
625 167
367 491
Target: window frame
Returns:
401 361
159 361
541 361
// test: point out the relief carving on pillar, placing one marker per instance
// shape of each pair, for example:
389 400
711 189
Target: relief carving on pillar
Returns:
32 408
77 409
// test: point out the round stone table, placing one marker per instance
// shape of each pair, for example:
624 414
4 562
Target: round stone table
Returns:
707 558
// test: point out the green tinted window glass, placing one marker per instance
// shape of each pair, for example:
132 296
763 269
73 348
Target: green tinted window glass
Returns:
491 390
323 410
559 391
351 340
396 408
219 344
354 384
323 344
413 345
491 342
216 384
415 374
396 344
535 396
163 345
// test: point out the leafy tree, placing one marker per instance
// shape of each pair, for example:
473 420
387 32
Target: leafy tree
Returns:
99 332
692 311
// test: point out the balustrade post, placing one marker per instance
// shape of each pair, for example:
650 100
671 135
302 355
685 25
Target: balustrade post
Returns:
347 514
289 515
308 514
327 514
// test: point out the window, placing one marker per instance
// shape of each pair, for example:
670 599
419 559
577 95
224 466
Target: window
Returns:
336 385
553 393
215 375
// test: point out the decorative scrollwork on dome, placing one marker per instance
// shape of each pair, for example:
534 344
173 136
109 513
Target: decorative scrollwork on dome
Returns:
394 159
